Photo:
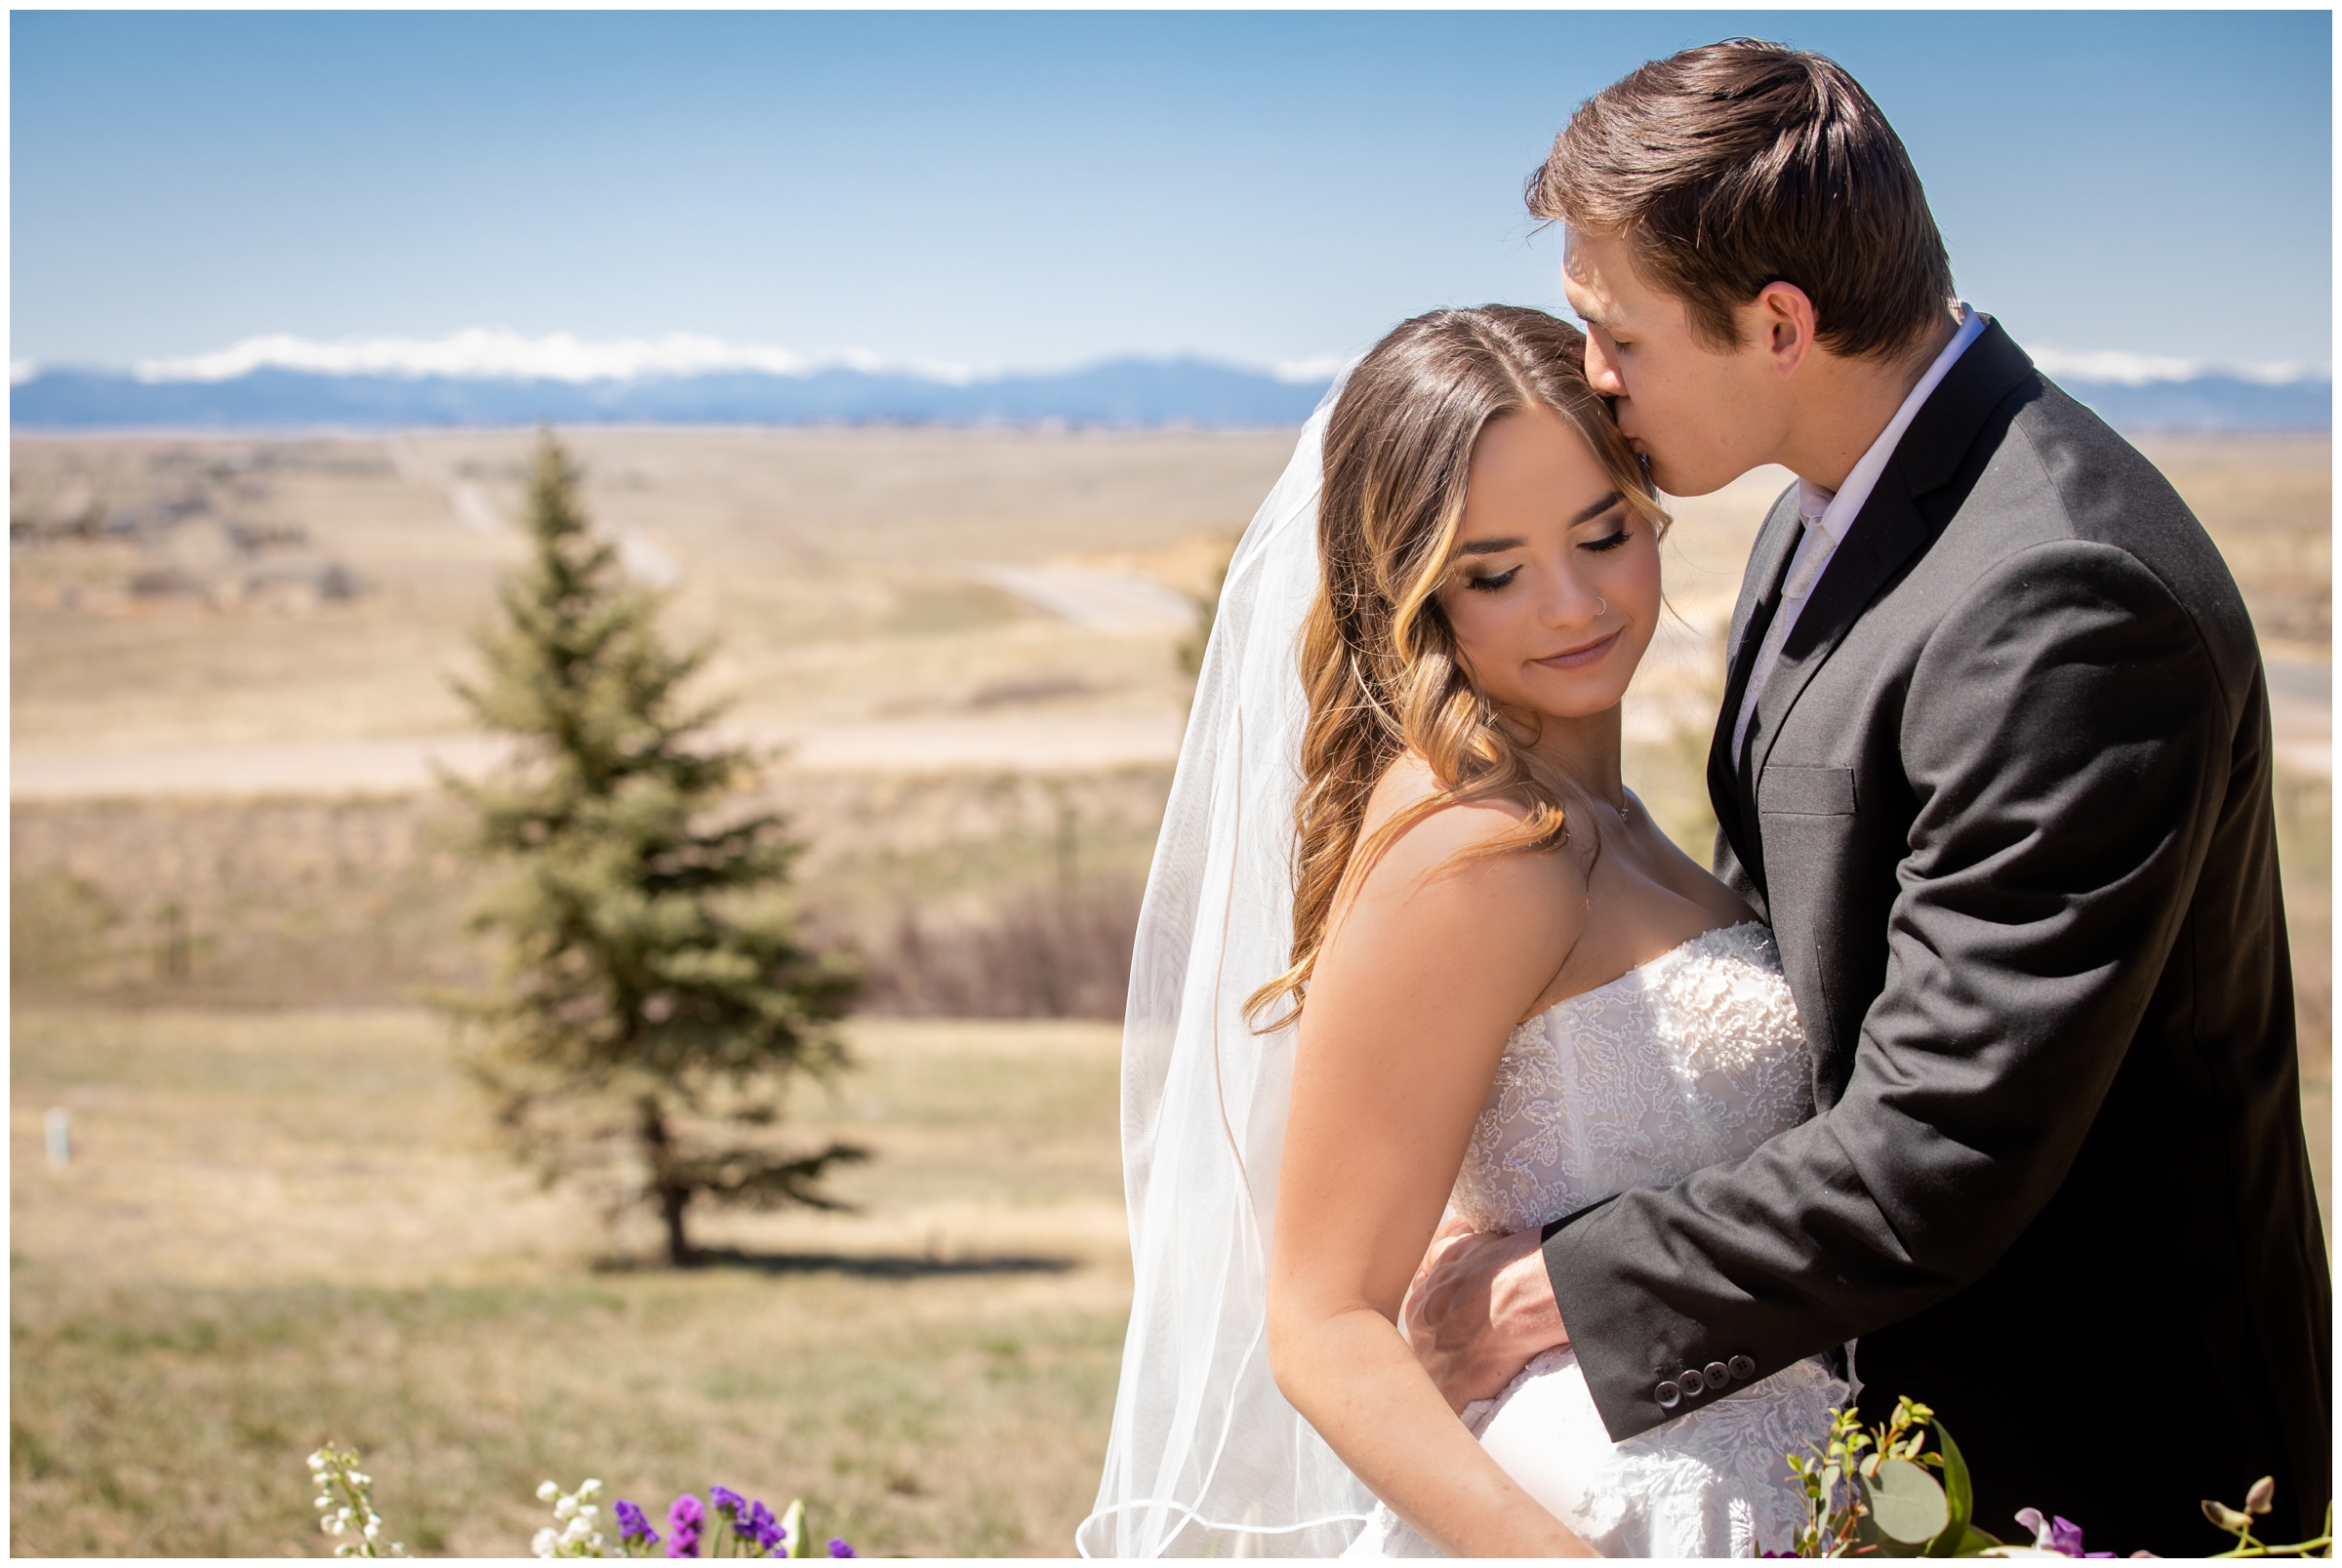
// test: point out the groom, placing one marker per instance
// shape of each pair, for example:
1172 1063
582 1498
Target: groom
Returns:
1994 761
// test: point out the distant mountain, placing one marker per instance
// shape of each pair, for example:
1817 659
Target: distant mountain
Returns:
2209 403
1120 393
1125 392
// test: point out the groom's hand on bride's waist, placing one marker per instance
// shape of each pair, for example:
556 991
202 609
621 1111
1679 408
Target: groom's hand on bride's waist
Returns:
1481 1307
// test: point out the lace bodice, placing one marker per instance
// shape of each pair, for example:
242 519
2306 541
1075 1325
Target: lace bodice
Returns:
1694 1057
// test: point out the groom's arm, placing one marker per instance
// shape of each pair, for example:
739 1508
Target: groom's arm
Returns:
2068 745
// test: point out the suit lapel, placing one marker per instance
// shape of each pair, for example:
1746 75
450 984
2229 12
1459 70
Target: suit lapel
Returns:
1760 600
1885 533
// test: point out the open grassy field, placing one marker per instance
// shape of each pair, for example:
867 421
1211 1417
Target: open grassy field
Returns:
849 577
285 1220
844 571
361 900
283 1227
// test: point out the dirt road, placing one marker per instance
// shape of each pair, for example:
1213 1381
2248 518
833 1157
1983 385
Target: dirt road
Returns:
399 765
2301 698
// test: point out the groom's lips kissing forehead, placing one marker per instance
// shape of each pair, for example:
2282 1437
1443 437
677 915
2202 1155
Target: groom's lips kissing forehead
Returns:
1587 262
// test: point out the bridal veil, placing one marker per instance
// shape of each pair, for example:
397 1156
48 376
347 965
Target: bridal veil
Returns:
1207 1459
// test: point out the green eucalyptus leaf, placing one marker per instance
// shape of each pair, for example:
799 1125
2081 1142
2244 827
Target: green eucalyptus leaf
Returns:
1908 1510
1959 1497
1974 1543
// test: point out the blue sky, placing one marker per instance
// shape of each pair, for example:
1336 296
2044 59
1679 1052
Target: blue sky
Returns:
1037 189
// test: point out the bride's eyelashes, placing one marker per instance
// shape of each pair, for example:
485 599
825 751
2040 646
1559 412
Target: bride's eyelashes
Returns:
1491 581
1602 546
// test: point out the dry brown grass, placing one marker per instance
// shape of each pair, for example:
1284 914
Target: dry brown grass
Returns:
2269 502
280 1228
361 901
838 566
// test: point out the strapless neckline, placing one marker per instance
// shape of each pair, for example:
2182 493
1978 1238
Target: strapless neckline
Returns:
1712 934
1691 1058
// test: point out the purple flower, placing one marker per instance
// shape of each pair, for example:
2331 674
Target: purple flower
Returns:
840 1548
632 1525
684 1516
726 1502
2059 1535
760 1525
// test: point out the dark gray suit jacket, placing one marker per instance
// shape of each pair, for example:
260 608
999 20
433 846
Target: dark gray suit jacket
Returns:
2006 805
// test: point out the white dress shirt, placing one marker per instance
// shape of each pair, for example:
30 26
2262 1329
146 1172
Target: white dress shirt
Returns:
1827 517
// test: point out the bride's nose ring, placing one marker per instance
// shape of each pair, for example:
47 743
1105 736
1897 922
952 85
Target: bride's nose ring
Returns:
1601 607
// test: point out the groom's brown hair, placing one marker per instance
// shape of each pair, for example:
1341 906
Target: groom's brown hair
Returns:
1744 163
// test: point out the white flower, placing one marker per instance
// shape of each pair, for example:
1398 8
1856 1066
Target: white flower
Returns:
566 1509
324 1502
579 1529
374 1529
317 1461
544 1542
591 1489
586 1510
547 1491
333 1524
346 1516
361 1478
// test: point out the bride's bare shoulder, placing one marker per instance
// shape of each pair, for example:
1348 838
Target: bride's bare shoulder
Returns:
1447 837
1448 901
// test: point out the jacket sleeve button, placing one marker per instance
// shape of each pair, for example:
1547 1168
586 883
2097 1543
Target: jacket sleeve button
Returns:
1668 1396
1692 1382
1714 1374
1740 1366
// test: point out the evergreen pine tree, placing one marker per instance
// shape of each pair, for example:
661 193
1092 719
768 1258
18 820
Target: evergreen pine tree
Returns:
655 999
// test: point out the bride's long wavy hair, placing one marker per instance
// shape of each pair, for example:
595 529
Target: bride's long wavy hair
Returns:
1377 658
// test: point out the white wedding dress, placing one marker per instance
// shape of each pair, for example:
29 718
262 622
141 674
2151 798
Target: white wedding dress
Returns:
1694 1057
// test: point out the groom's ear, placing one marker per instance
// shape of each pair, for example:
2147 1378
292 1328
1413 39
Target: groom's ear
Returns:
1780 321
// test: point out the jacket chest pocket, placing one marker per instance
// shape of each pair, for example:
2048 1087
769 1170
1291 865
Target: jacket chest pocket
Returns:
1786 791
1812 855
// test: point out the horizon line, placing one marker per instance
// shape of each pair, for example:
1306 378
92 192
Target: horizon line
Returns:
501 355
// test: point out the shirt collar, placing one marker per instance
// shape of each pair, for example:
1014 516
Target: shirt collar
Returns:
1834 513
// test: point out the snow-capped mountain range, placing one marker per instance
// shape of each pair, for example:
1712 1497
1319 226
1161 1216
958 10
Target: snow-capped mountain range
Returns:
494 377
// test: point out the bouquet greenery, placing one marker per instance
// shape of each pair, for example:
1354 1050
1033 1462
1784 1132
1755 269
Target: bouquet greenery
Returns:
1883 1493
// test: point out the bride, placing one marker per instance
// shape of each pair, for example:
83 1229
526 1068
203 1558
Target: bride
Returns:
1409 949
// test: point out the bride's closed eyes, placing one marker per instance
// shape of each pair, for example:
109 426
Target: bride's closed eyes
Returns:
1491 581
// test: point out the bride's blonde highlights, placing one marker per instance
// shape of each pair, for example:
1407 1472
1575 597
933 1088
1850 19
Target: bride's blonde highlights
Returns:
1379 661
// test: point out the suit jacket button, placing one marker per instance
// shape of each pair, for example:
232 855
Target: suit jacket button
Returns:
1714 1374
1741 1366
1692 1382
1670 1397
